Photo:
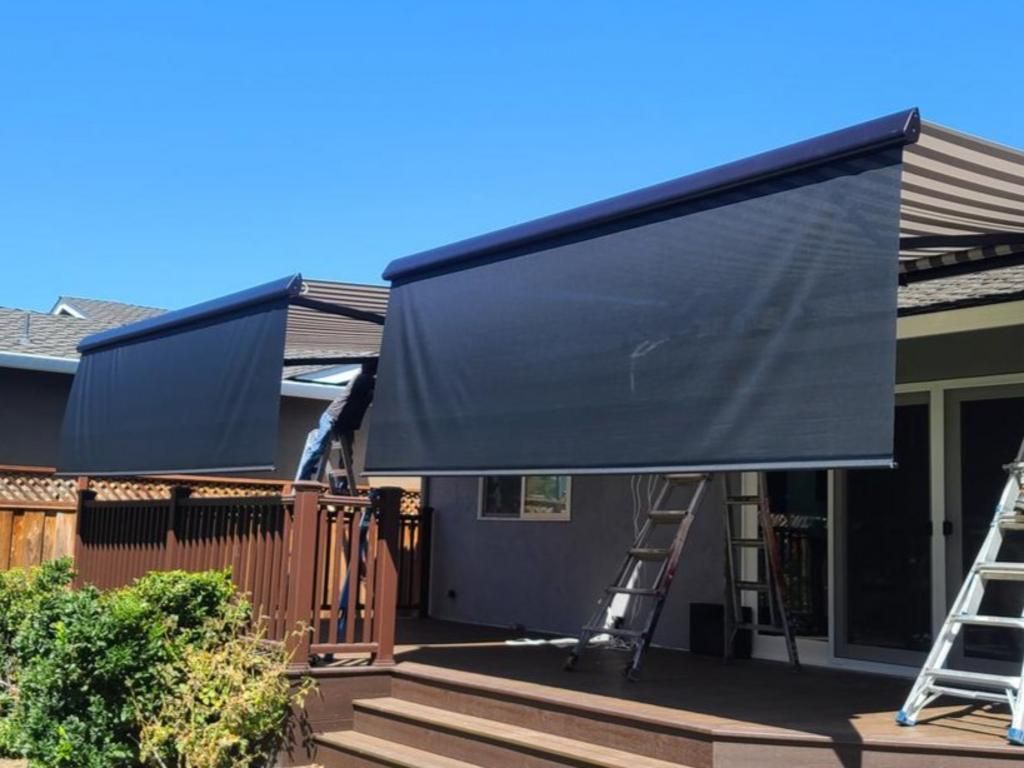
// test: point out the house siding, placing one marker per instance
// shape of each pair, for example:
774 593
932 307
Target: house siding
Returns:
32 410
548 576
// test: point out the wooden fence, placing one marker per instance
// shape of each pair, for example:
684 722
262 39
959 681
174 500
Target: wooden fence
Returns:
328 564
33 534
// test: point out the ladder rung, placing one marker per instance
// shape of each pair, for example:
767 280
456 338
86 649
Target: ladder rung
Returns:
997 698
1012 522
748 542
1006 622
753 586
680 478
640 592
744 500
759 627
667 515
975 678
614 631
648 553
1001 571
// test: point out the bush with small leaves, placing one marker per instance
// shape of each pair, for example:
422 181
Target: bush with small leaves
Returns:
98 680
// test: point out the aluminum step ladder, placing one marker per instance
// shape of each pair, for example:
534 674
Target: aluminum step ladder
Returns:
936 678
650 598
761 540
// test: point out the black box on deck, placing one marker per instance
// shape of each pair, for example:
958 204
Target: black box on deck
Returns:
707 629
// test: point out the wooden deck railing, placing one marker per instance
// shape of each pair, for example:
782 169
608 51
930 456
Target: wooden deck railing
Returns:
320 570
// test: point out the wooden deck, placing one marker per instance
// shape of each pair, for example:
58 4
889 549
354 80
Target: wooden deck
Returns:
754 711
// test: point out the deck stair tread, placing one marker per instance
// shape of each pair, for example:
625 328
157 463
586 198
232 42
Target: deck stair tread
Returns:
511 736
388 753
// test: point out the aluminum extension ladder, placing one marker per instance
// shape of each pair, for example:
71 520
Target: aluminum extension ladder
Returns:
936 678
762 541
651 598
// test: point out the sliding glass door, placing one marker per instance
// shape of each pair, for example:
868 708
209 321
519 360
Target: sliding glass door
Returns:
984 431
883 548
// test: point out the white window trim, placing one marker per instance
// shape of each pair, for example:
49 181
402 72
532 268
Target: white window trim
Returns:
548 518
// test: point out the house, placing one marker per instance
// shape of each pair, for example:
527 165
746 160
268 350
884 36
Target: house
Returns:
38 360
902 242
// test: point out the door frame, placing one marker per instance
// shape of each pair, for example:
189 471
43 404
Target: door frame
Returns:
818 652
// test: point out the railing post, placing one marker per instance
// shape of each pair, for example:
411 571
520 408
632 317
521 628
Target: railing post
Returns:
178 494
387 504
84 495
302 572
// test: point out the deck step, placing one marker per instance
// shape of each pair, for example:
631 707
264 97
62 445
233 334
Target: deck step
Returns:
559 749
382 752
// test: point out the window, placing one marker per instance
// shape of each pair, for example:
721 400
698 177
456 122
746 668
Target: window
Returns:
541 497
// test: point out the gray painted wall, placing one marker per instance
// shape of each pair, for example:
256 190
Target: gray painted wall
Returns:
32 409
959 355
548 575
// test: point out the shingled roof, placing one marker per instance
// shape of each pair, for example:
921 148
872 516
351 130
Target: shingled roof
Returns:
110 314
311 335
988 286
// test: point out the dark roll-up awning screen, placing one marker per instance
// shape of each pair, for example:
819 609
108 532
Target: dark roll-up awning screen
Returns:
744 317
195 390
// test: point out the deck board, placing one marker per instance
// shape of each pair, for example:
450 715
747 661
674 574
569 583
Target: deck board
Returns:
737 700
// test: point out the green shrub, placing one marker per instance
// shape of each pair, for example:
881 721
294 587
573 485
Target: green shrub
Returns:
21 592
229 706
90 672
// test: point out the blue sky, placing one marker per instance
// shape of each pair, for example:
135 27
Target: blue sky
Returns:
167 152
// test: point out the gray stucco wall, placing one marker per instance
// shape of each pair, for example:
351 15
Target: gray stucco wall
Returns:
32 409
548 576
959 355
